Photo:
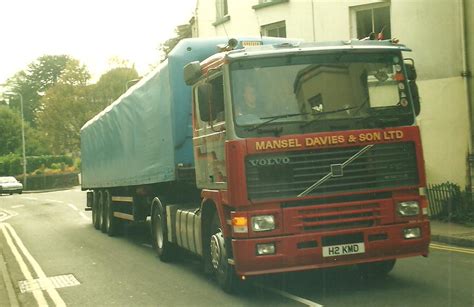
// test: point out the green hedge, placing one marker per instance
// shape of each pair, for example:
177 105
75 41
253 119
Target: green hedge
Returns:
12 164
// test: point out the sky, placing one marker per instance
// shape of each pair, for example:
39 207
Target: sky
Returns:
91 31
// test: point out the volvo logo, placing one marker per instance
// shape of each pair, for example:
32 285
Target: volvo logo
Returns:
269 161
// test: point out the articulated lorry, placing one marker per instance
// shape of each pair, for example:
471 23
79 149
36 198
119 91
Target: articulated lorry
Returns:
266 155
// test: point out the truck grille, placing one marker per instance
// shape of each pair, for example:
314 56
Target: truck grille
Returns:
336 217
288 174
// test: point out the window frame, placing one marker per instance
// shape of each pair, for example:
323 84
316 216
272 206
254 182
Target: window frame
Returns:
273 26
222 12
366 7
267 3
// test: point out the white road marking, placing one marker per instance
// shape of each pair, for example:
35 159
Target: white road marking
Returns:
290 296
5 215
30 198
17 206
38 295
84 216
73 207
58 301
55 201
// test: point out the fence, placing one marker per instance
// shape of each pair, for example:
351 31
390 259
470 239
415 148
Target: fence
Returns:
444 199
51 181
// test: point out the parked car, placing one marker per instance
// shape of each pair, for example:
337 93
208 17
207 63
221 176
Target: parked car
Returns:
10 185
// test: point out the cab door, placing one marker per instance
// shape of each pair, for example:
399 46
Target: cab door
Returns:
209 135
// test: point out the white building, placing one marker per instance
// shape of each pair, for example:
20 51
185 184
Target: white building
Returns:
440 32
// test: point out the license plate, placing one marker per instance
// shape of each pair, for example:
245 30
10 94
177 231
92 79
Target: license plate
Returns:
343 249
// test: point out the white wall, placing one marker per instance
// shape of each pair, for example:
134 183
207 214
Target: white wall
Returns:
444 125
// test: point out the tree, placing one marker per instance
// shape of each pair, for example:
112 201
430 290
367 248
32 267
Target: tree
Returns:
182 32
40 75
69 104
65 110
112 85
10 131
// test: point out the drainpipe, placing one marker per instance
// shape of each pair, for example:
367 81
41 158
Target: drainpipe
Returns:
314 26
465 74
196 20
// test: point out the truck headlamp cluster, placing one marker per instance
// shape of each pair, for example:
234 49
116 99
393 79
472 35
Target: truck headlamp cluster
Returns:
408 208
263 223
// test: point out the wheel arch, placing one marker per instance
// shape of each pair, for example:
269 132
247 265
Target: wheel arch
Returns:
211 204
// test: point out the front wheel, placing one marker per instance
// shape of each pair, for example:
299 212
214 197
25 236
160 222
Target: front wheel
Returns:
219 256
159 232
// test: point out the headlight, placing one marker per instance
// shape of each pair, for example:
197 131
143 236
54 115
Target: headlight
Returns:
263 222
408 208
266 249
412 233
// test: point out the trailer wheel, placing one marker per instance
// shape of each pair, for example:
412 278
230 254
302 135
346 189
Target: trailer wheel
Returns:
100 209
219 254
103 211
112 224
376 270
159 232
95 209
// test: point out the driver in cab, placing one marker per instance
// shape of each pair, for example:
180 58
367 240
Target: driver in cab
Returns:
246 107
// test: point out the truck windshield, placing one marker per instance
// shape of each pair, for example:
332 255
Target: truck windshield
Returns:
367 89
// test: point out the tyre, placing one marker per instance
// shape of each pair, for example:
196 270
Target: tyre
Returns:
377 270
165 250
95 210
112 224
105 217
219 254
100 209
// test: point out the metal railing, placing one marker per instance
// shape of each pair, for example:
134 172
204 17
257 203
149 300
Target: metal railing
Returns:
444 199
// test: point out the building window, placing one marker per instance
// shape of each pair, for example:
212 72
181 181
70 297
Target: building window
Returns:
277 29
221 9
266 3
372 19
222 12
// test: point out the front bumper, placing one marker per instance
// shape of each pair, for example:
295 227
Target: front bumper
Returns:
294 254
10 190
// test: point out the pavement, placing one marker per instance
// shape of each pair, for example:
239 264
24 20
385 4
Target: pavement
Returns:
452 234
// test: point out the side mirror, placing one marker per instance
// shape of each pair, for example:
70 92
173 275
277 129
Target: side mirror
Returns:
410 68
205 102
411 77
192 72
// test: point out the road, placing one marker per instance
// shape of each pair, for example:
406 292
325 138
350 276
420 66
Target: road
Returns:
55 257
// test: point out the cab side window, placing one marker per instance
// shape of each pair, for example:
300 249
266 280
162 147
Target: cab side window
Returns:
218 98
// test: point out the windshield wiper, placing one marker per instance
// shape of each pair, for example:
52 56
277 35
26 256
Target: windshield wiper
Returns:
270 119
382 121
328 112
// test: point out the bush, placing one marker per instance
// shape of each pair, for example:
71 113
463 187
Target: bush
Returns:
12 164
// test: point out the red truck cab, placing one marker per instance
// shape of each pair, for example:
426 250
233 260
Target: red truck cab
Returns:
309 156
